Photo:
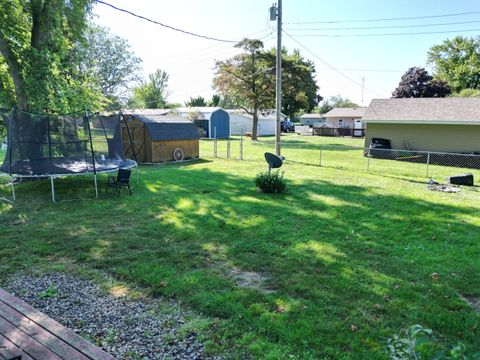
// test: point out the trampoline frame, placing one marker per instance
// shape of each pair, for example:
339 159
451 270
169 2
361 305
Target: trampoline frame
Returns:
52 177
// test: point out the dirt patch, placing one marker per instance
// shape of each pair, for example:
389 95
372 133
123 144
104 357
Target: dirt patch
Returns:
250 279
474 302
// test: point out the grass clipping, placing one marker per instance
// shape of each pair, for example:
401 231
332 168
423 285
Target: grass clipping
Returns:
271 182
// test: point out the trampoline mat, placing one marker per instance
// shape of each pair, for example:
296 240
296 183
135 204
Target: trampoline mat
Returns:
63 166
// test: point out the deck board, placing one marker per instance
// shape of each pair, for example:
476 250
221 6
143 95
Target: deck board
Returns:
9 350
41 337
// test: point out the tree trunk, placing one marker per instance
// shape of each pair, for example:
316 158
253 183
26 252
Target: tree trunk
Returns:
15 73
255 124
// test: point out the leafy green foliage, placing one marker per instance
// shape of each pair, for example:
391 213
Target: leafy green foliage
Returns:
108 63
249 80
457 61
414 343
151 94
198 101
468 93
333 102
271 182
36 41
417 83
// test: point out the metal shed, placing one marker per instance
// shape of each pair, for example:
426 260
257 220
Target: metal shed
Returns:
212 121
159 138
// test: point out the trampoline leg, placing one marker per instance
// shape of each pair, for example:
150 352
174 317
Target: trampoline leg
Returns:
96 186
13 188
53 189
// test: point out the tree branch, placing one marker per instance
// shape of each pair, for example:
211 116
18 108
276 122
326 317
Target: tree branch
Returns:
15 73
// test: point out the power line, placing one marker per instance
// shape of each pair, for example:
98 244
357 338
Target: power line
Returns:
331 66
387 34
385 27
165 25
366 70
384 19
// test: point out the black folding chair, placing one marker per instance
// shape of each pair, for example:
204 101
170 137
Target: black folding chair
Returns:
122 181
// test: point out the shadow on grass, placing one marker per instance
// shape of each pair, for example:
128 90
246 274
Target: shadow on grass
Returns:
336 256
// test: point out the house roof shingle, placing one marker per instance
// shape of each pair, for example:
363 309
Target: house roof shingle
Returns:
346 112
431 110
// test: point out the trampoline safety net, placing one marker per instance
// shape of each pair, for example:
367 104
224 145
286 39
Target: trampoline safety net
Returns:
42 145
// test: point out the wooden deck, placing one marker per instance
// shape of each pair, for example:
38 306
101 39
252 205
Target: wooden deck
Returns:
28 333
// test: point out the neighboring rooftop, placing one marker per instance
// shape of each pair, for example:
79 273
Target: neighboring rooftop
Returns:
147 112
444 110
357 112
312 116
200 109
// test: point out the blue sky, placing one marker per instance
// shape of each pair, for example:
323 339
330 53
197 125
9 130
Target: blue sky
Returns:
381 60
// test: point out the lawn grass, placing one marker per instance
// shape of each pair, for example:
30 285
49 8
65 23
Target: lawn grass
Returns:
349 257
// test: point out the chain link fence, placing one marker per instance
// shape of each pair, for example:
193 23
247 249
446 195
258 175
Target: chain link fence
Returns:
409 163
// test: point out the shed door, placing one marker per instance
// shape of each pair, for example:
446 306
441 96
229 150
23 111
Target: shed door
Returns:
138 135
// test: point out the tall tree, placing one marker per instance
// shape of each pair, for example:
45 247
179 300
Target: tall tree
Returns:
215 100
36 37
109 63
153 93
299 88
197 101
417 83
333 102
457 61
247 79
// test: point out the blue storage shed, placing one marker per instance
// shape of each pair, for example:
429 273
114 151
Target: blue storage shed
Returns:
213 121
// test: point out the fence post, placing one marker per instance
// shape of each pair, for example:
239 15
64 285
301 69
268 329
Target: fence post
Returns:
428 162
215 142
241 144
320 160
228 147
368 162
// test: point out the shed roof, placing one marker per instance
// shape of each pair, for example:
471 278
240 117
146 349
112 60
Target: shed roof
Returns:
162 127
346 112
451 110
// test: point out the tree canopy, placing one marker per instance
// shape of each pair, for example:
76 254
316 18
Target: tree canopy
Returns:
248 79
333 102
152 93
418 83
457 61
36 39
110 62
196 101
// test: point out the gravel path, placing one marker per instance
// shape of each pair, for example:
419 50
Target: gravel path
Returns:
127 329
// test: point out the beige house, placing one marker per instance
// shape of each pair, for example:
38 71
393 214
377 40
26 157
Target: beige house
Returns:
345 118
432 124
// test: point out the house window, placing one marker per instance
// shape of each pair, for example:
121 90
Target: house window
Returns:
340 123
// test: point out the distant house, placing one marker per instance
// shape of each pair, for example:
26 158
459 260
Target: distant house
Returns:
431 124
312 120
242 122
213 121
345 118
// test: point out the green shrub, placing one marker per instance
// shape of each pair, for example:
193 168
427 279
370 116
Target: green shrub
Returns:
271 183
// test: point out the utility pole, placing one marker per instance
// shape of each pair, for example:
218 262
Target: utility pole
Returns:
276 14
363 87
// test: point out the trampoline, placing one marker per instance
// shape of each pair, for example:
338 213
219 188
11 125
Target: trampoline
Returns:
50 146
